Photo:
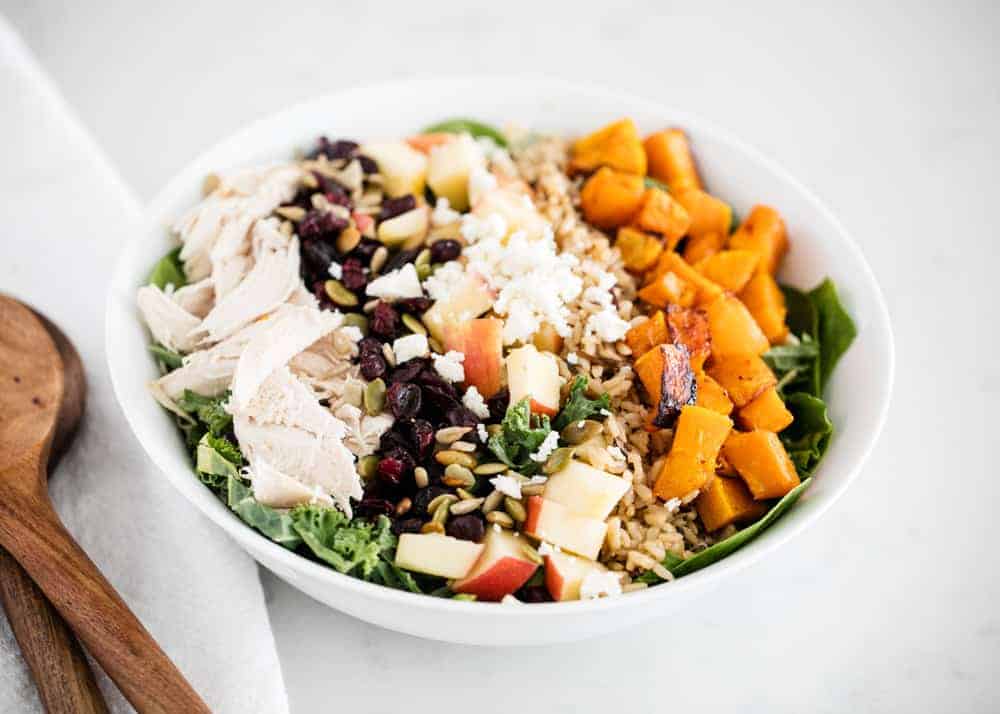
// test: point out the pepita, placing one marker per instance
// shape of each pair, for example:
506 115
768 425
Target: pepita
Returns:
448 457
379 257
374 398
463 446
558 460
463 494
500 518
465 597
432 527
441 513
533 489
451 434
494 429
581 431
445 498
423 258
424 272
463 507
492 502
421 477
434 344
413 324
348 239
457 475
356 319
490 469
367 466
514 509
532 554
339 294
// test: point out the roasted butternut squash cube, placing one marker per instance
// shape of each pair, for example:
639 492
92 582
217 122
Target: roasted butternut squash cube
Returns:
731 269
763 232
723 467
762 462
668 288
616 145
639 250
726 501
661 214
698 436
610 198
679 474
665 372
766 303
669 160
700 247
647 335
689 327
744 377
708 214
734 331
765 411
711 395
705 290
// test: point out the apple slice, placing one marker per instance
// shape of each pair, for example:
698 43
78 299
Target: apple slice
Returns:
436 554
410 225
585 490
556 524
470 299
501 569
403 168
449 167
564 573
481 341
534 374
515 205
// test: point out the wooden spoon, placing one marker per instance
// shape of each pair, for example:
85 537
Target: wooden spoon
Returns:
62 674
31 388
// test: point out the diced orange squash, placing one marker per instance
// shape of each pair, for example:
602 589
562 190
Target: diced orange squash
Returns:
744 377
661 214
652 365
698 436
689 327
708 213
766 303
765 411
762 462
732 269
734 331
763 232
668 288
711 395
616 145
639 249
647 335
725 501
723 467
610 198
705 290
669 159
702 246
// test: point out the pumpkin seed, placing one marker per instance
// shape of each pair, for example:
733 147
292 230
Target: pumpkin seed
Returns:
413 242
356 319
435 345
463 507
465 597
211 182
367 466
450 434
441 513
421 477
413 324
379 257
310 181
581 431
348 239
490 469
447 498
448 457
339 294
514 509
500 518
432 527
403 507
423 258
424 272
463 494
463 446
494 429
390 356
457 475
292 213
374 399
532 489
532 554
558 460
492 501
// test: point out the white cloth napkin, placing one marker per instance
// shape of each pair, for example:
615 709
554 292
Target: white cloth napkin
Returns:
64 214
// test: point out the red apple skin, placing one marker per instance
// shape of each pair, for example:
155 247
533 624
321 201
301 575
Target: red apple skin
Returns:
554 581
539 408
503 578
534 512
481 341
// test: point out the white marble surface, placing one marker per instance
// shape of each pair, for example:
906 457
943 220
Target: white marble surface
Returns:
888 111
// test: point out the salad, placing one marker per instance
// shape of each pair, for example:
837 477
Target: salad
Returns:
493 365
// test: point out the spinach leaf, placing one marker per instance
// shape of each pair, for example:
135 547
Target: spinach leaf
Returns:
468 126
836 328
518 439
802 318
578 407
168 358
795 365
168 271
808 436
276 525
209 410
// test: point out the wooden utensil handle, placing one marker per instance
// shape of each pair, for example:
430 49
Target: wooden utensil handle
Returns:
62 674
32 532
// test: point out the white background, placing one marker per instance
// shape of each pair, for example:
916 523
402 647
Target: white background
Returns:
889 112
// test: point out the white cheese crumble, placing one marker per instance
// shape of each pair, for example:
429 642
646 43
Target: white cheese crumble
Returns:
440 284
546 548
616 453
443 213
572 358
397 285
475 403
607 325
546 448
672 505
507 485
409 347
449 366
336 270
352 332
600 584
480 181
605 412
510 600
484 435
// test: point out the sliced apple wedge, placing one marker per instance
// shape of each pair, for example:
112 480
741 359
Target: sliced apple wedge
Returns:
585 490
534 374
501 569
556 524
406 226
481 341
403 168
470 299
436 554
448 169
564 573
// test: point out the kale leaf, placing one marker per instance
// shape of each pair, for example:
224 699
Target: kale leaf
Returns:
208 410
468 126
168 358
518 439
578 407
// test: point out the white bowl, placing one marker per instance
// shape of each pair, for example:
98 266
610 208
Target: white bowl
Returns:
858 394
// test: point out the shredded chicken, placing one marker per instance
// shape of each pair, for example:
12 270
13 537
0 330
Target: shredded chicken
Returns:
170 323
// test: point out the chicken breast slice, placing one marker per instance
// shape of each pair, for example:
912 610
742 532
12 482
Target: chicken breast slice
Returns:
279 490
196 298
170 324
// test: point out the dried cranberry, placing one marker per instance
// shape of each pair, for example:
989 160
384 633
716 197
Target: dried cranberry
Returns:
414 306
340 149
423 497
407 525
444 250
369 507
368 164
421 434
460 416
467 527
317 254
321 224
372 365
394 439
365 250
352 274
391 470
399 259
534 593
408 371
322 297
384 320
403 400
497 404
392 207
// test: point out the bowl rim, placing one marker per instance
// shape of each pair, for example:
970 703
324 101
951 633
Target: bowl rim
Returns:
252 541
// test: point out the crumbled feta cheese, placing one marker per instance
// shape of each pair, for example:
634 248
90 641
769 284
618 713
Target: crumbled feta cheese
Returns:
600 584
443 213
510 600
616 453
672 505
352 333
475 403
605 412
397 285
480 182
507 485
443 280
409 347
550 444
336 270
537 479
572 358
484 435
449 366
607 325
546 548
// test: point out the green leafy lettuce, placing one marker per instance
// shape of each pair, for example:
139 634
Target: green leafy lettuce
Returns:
520 435
578 406
168 271
275 524
467 126
210 411
168 358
